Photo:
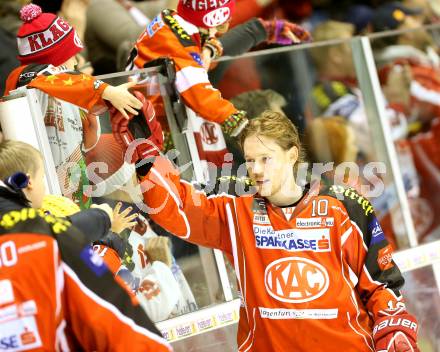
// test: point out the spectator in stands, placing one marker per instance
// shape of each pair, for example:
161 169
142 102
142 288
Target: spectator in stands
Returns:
336 91
412 44
332 140
426 15
49 67
334 62
183 35
257 101
108 49
74 12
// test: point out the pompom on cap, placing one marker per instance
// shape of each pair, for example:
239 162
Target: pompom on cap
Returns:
30 12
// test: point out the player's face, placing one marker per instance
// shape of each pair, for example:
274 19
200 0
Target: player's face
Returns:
269 166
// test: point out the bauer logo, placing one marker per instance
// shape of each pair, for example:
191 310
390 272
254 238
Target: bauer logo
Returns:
296 280
217 17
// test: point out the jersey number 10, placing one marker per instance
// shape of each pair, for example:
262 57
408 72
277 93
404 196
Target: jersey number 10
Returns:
320 207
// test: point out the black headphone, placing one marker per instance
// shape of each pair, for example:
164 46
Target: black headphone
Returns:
17 181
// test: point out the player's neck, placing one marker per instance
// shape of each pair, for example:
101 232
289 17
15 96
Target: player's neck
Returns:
288 194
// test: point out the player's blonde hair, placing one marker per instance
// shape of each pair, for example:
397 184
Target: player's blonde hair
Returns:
276 126
18 156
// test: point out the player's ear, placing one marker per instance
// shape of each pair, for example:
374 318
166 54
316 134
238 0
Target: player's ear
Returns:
293 154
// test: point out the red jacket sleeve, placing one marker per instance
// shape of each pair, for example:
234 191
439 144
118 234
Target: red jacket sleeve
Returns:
187 213
79 89
166 38
193 85
74 87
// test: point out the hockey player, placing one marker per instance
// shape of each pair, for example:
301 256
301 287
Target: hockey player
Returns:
313 266
55 293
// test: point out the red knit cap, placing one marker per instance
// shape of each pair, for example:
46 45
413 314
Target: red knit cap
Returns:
206 13
45 38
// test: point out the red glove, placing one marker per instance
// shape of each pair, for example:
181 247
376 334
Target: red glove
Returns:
284 32
140 135
396 334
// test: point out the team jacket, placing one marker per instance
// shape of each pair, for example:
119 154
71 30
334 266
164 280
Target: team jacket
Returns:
170 36
74 87
56 294
316 282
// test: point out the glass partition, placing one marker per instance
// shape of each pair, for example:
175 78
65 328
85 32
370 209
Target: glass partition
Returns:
90 169
408 68
317 87
201 282
423 300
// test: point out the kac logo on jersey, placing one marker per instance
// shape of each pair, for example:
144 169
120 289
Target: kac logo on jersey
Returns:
217 17
154 26
296 280
376 231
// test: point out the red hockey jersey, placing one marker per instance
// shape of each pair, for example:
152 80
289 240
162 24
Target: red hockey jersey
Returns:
314 281
56 294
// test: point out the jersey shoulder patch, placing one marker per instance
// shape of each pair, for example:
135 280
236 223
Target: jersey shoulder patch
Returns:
154 26
183 37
